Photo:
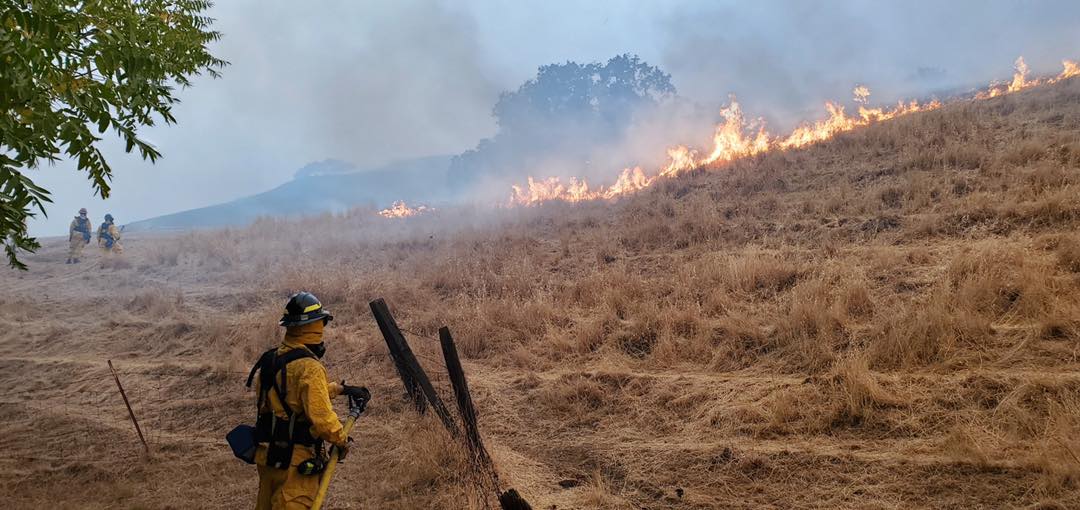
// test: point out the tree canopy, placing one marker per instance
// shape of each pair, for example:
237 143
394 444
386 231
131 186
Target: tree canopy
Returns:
568 109
606 94
72 71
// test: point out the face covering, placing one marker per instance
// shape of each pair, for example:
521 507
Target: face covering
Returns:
318 349
306 334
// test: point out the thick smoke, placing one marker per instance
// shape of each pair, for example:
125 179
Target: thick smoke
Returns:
372 82
363 82
783 58
366 82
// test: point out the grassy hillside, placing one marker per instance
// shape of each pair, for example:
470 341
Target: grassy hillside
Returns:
890 319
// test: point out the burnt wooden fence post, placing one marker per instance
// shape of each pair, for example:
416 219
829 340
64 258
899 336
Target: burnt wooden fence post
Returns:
409 368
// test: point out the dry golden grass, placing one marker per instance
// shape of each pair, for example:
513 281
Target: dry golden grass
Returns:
890 319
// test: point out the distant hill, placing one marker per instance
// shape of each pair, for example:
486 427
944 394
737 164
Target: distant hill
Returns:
325 186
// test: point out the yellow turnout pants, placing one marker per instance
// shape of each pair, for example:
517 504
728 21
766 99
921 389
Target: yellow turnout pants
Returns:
76 246
286 489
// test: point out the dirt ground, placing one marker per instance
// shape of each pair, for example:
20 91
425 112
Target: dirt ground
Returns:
890 319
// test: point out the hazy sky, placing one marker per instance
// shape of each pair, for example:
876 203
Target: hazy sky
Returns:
369 82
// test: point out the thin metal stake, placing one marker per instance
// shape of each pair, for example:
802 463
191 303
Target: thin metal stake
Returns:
128 404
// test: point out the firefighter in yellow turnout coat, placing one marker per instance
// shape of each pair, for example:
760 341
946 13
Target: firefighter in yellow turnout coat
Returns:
109 236
78 236
297 399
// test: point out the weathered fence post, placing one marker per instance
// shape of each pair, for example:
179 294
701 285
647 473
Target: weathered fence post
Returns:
509 500
131 413
409 368
390 331
464 398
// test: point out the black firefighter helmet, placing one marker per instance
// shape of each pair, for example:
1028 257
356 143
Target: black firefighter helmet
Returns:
304 308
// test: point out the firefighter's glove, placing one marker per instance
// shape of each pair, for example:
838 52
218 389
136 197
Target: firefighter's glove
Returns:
359 392
358 395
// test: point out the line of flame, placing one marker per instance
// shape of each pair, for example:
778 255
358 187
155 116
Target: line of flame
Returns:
731 141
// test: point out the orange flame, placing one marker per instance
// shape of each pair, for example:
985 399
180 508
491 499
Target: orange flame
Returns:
680 159
807 134
400 210
731 140
1019 81
551 189
1071 69
630 181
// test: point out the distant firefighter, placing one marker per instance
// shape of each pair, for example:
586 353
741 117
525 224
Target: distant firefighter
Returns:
109 236
78 236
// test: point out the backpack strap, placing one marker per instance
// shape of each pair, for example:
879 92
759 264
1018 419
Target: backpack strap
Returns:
255 367
268 366
280 363
267 359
